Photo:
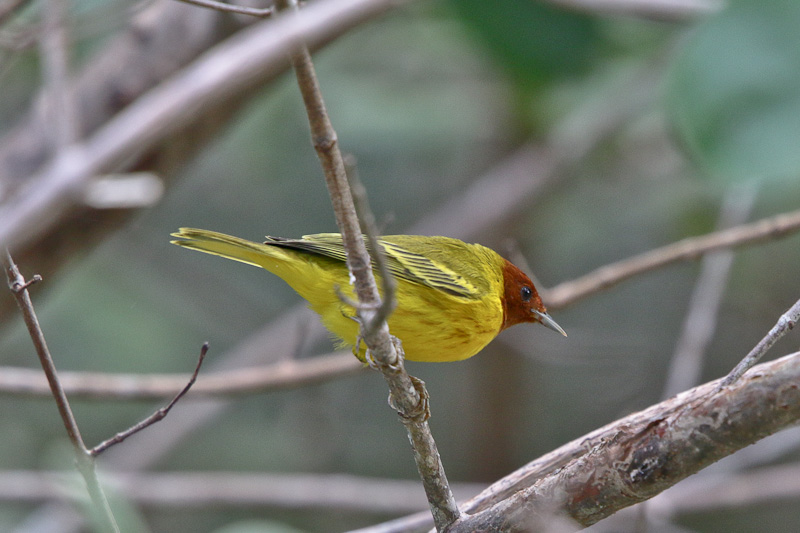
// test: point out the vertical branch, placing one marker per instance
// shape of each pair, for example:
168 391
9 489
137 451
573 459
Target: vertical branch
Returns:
700 323
407 394
55 70
84 460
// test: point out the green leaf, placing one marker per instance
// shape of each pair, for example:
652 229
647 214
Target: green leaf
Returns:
733 94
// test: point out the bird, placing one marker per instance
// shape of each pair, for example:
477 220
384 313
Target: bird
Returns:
453 298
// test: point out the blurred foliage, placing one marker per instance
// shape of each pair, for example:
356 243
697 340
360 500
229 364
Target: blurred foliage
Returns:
428 99
535 42
535 45
734 91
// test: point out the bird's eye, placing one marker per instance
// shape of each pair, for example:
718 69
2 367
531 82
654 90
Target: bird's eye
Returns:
526 293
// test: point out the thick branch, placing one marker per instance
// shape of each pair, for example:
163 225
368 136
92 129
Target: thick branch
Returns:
42 213
639 456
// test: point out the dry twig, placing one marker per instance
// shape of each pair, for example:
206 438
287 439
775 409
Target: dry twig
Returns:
786 322
83 458
156 416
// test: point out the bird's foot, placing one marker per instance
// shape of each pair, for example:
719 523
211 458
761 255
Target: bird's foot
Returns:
421 412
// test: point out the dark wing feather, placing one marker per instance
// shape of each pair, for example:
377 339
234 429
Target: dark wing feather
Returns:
402 262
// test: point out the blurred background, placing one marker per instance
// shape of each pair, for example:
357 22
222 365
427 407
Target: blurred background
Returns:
571 136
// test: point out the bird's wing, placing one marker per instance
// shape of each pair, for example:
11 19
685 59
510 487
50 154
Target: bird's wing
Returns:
412 266
402 263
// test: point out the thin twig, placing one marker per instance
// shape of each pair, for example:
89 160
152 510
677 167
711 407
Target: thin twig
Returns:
231 8
155 417
786 322
361 203
700 322
407 394
84 460
686 249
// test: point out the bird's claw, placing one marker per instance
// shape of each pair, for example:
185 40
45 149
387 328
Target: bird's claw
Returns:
422 411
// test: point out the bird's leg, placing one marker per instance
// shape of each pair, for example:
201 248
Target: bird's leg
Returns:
368 359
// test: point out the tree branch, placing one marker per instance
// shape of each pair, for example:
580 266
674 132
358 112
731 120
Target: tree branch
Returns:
125 127
335 492
282 375
639 456
691 248
633 458
407 394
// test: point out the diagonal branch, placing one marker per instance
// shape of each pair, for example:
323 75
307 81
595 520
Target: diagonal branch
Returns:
686 249
156 416
787 321
124 127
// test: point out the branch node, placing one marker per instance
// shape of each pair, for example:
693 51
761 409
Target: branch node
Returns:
19 286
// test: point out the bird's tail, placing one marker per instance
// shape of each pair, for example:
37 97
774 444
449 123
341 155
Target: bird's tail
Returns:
212 242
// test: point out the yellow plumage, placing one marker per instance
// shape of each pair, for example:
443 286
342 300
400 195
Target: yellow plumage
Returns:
451 296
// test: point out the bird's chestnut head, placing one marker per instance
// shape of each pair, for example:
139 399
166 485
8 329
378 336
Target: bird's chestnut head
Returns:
521 301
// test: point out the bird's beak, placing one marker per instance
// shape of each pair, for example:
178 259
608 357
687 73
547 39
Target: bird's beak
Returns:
548 322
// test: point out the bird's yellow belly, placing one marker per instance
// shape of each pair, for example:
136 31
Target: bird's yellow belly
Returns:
433 326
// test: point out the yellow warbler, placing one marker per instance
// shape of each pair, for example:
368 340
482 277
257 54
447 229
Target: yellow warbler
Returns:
453 298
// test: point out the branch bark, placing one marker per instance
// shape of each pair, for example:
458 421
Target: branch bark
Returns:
641 455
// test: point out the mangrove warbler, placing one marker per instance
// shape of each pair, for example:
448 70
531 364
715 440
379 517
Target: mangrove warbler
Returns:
452 297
